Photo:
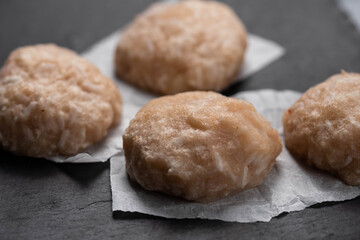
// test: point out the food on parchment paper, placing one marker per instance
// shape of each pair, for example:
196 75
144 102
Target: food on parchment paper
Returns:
200 146
53 102
182 46
323 127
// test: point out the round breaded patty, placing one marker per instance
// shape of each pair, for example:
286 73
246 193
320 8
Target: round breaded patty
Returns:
53 102
200 146
182 46
323 127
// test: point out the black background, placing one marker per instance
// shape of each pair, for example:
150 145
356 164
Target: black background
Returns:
44 200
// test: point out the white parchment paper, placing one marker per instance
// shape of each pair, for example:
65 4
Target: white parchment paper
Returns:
259 54
290 186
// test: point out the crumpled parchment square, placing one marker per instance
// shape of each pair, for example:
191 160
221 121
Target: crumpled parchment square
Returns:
290 186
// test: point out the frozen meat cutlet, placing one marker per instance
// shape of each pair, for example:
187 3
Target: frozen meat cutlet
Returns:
53 102
182 46
200 146
323 127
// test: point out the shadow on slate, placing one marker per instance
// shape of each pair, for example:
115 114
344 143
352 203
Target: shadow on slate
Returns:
23 166
236 87
325 204
119 215
83 173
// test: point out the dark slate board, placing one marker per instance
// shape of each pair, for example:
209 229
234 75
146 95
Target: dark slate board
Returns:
43 200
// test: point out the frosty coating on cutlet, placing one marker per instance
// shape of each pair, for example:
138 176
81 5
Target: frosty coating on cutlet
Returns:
200 146
53 102
323 127
182 46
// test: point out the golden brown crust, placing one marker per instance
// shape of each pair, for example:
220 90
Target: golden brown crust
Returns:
323 127
183 46
200 146
53 102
